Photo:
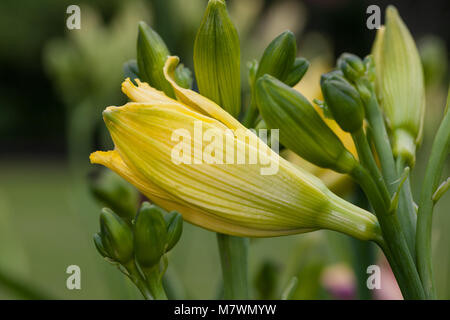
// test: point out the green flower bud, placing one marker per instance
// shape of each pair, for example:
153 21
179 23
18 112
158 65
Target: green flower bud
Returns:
344 102
150 235
301 128
352 66
332 75
400 84
114 192
183 76
297 71
116 236
131 70
152 54
174 223
99 245
217 58
279 57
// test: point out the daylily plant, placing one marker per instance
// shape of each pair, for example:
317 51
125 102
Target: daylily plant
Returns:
198 174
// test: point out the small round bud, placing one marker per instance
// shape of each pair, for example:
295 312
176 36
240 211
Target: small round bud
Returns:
345 104
150 235
116 237
351 65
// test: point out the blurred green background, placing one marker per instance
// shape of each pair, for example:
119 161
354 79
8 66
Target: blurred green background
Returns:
56 81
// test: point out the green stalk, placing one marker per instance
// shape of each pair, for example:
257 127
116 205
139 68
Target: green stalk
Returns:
233 257
438 156
368 161
154 282
135 276
394 245
406 211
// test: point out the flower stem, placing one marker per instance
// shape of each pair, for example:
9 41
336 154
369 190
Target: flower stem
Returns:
394 244
154 282
368 161
233 256
438 156
406 211
136 277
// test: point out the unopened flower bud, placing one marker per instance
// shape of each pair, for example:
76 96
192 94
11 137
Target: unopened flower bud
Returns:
217 58
345 103
351 65
297 71
99 245
174 223
150 235
116 236
112 191
152 53
279 57
301 128
400 84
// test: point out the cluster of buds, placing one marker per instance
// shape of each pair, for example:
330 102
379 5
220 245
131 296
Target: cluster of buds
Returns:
138 246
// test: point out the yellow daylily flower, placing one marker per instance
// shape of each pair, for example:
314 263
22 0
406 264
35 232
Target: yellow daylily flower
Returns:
229 198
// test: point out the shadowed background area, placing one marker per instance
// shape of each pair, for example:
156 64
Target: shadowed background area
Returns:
55 83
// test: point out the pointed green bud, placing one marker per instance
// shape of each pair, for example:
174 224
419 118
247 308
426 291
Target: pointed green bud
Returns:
344 102
400 84
279 57
174 223
131 70
114 192
352 66
116 236
217 58
183 76
297 72
99 245
150 235
152 54
301 128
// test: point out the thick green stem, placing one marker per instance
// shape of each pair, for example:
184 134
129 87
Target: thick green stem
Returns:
368 161
406 212
438 156
136 277
233 257
382 143
394 246
154 282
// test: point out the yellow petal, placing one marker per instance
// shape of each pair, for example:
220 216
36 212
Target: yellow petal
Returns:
197 101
